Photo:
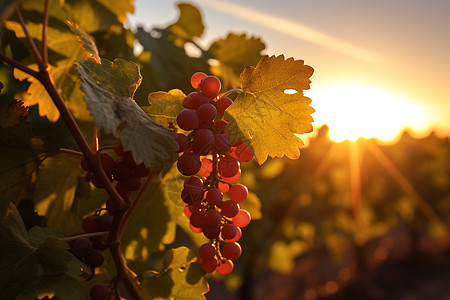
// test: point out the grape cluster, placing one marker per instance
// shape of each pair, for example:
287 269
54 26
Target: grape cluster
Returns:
128 175
212 165
124 170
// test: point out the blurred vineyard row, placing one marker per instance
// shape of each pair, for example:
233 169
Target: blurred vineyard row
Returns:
345 214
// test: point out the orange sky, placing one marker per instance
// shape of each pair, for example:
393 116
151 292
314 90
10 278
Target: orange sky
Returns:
400 49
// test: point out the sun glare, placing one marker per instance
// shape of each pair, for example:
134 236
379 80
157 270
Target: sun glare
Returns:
354 110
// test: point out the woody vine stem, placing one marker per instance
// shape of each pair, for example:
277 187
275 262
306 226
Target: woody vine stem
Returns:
122 212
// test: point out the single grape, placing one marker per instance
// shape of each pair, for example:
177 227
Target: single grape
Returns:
81 247
232 250
95 258
228 166
183 142
122 169
105 222
191 196
194 183
222 104
188 164
128 158
141 170
238 193
214 196
207 251
187 119
99 291
211 232
229 231
89 224
206 112
221 143
233 179
209 265
225 267
212 218
196 78
229 208
197 219
242 218
210 86
206 167
236 237
203 141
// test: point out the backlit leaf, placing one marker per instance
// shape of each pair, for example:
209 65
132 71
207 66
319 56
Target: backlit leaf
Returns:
234 53
164 107
181 277
263 116
86 40
189 24
109 89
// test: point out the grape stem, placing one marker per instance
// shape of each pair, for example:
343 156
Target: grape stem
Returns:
237 90
70 151
85 235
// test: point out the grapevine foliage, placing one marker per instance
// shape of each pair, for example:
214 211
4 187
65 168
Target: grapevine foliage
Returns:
162 156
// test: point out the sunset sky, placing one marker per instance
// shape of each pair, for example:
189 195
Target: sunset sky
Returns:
379 65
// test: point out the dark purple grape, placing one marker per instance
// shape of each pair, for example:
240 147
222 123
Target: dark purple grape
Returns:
183 142
203 141
229 208
195 100
187 119
189 163
214 196
81 247
122 169
231 250
89 224
95 258
206 112
105 222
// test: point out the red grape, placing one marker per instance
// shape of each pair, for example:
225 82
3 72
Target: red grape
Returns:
228 166
229 231
232 250
236 237
81 247
211 232
225 267
189 163
209 265
206 167
197 219
238 193
196 78
89 224
187 119
183 142
212 218
214 196
222 104
242 218
206 112
95 258
194 100
229 208
203 141
207 251
122 169
210 86
105 222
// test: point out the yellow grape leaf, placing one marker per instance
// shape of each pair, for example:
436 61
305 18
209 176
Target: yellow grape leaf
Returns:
165 106
271 109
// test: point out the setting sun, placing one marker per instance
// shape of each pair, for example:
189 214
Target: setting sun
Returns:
354 110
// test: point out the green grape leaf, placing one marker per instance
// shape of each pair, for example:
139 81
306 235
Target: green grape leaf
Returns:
20 153
171 61
181 277
189 24
109 89
86 41
54 191
165 106
265 117
234 53
35 263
